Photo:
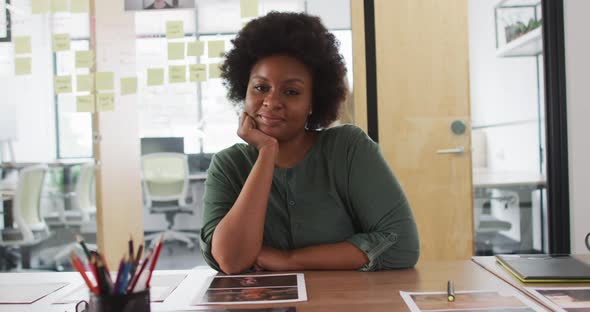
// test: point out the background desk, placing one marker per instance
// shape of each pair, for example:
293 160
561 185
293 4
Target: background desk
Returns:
523 184
326 290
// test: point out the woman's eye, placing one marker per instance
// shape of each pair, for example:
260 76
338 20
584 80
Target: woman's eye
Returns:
291 92
261 88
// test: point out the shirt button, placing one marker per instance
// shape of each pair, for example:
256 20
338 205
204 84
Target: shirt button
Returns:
292 203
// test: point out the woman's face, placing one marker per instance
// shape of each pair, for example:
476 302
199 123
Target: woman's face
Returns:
279 96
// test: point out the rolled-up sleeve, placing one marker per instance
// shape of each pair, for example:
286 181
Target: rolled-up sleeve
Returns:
389 236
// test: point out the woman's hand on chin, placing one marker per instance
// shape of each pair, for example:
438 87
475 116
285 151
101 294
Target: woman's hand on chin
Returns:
249 132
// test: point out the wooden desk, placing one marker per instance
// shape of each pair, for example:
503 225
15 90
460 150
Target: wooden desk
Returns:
523 183
198 176
507 179
326 290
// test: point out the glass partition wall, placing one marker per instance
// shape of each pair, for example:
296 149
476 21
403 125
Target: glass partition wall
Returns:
45 143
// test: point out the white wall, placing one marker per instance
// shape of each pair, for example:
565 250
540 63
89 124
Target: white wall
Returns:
577 52
503 90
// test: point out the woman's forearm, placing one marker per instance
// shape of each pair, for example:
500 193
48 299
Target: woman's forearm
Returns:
238 236
338 256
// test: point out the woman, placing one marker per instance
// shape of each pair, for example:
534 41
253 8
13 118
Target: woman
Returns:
297 196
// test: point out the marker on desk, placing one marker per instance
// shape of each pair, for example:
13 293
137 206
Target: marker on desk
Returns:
450 291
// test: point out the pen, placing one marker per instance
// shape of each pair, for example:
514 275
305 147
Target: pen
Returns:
450 291
94 270
133 282
135 262
84 247
104 276
120 275
124 281
131 252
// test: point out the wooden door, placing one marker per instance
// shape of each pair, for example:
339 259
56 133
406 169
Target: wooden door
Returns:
422 88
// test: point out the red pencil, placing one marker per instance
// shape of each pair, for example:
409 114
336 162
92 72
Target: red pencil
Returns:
154 260
138 273
80 268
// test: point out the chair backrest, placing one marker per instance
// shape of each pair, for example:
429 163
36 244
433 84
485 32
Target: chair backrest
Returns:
165 177
26 208
84 200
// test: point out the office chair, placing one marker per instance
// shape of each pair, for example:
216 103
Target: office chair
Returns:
82 216
165 180
30 229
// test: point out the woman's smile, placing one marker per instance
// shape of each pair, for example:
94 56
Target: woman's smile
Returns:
270 120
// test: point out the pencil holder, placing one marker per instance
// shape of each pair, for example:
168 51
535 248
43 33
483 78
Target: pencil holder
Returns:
135 302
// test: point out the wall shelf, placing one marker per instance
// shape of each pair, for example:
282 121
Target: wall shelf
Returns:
529 44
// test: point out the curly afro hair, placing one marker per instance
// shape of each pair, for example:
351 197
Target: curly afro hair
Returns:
297 35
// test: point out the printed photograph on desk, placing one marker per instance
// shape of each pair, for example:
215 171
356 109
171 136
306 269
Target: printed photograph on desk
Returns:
254 289
481 301
570 299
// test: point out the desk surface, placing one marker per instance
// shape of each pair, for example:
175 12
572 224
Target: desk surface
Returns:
326 290
499 179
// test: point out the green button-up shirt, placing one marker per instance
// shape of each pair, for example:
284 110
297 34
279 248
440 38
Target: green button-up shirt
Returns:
343 190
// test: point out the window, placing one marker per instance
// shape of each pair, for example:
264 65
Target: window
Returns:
73 129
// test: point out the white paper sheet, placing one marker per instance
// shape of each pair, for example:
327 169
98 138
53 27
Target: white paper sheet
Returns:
161 286
471 300
26 293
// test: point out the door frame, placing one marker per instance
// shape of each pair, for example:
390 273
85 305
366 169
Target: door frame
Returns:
558 212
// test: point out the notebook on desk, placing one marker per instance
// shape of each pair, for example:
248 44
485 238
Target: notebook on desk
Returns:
545 268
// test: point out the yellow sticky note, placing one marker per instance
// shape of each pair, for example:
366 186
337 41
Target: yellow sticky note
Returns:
195 48
105 81
22 45
85 103
248 8
61 42
214 70
105 102
155 76
84 83
79 6
216 48
59 5
176 73
128 85
84 59
39 6
22 66
62 84
175 50
197 72
174 29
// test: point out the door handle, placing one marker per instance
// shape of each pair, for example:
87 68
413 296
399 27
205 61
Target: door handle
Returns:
457 150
